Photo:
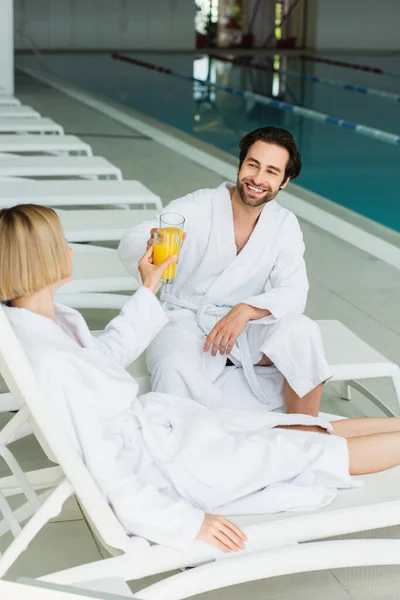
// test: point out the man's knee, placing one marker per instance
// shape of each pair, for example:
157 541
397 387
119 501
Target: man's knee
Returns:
300 326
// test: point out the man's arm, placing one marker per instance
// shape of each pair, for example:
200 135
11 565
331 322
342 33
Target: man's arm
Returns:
289 282
224 334
288 293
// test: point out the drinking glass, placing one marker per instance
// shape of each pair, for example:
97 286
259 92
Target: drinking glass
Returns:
167 241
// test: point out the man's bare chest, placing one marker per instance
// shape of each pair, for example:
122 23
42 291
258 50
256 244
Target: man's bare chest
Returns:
242 232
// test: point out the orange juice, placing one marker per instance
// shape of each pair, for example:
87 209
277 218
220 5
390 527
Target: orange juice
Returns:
167 242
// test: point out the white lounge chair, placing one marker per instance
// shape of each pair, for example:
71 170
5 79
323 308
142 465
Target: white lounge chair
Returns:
9 100
276 543
354 361
38 144
351 359
111 588
77 193
98 269
30 126
100 225
58 166
18 112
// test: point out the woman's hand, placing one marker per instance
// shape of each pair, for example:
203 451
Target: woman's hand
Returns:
222 533
150 241
150 273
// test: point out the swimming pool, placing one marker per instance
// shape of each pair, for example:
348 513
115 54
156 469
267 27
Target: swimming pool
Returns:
354 171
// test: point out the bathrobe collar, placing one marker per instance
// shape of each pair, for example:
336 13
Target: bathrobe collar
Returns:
222 240
69 323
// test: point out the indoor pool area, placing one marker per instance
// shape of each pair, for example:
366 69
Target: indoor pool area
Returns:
353 170
135 461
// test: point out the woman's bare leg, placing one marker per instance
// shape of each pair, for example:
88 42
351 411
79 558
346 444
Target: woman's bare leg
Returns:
350 428
373 443
373 453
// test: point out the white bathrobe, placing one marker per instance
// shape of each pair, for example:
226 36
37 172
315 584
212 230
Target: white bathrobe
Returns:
163 461
211 278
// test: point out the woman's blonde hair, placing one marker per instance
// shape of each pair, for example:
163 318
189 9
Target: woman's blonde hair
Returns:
33 250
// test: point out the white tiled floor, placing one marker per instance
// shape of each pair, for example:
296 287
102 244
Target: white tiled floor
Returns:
56 546
307 584
382 591
370 308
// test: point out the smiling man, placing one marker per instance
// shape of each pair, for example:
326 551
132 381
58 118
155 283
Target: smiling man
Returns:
237 336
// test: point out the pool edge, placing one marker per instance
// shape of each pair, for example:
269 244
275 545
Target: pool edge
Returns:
349 226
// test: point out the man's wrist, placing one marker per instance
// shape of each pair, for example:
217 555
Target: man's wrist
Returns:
252 313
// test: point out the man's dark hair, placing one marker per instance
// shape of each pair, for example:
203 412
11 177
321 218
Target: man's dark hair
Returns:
278 137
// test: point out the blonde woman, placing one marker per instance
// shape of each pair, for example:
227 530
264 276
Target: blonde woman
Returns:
168 466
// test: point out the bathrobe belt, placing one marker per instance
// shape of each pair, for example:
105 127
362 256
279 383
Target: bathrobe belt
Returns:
201 312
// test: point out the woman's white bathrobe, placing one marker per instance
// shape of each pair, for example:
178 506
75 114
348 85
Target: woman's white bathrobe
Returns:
162 461
211 278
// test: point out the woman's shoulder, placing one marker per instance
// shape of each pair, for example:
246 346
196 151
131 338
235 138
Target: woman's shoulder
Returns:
40 337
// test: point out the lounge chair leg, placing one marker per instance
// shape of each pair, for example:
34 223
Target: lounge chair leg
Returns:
396 385
50 508
387 410
345 391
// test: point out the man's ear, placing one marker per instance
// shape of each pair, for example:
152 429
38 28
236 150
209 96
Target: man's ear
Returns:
284 184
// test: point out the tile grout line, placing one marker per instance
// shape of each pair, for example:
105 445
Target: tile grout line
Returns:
332 572
94 538
337 294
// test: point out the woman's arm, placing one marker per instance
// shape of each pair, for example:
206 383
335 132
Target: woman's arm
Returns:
149 513
129 334
80 408
142 317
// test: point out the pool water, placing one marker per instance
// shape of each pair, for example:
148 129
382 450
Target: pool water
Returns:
358 172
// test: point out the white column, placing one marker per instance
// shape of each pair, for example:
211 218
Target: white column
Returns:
6 48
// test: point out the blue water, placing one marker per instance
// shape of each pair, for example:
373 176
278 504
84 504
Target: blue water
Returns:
354 171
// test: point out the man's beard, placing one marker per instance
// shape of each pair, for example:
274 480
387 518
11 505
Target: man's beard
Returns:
250 200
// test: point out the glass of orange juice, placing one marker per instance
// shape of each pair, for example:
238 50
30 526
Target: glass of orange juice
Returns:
167 241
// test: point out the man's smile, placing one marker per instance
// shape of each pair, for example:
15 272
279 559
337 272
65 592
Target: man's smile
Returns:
254 189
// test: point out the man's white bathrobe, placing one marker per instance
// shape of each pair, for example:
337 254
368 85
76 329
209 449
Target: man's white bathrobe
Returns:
211 278
163 461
